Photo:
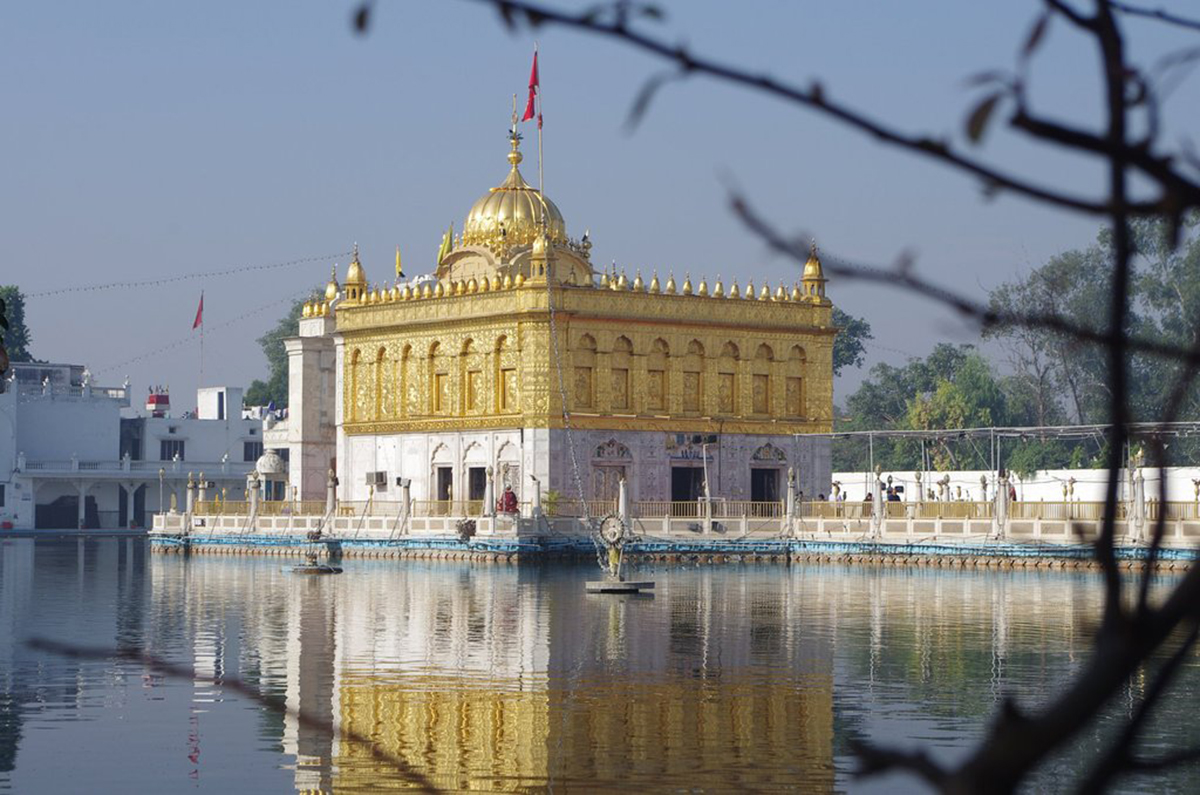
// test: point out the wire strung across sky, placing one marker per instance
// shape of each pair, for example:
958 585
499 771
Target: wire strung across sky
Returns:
184 277
1138 429
189 339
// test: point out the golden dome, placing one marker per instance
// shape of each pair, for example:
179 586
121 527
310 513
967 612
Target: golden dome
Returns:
331 289
812 268
654 288
734 292
355 275
511 214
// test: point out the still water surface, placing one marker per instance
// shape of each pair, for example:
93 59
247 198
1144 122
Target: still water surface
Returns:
497 678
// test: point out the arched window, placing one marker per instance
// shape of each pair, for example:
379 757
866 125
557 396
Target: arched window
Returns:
657 381
693 378
760 375
439 381
471 378
794 385
377 402
622 362
404 385
584 357
507 398
727 393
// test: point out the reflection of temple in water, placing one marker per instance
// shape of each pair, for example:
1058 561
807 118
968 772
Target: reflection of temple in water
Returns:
508 679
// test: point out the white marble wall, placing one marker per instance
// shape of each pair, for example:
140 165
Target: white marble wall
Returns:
546 454
654 453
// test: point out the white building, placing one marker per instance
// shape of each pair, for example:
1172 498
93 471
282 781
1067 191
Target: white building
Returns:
68 459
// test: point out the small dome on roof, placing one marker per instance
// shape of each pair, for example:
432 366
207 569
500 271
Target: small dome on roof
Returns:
269 463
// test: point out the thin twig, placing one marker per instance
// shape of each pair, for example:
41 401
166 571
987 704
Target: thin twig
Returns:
173 671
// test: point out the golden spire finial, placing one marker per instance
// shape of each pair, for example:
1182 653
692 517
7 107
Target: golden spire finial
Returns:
515 156
355 252
687 284
670 288
399 269
638 284
718 288
734 292
654 288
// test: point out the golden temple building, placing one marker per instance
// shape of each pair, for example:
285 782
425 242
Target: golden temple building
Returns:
515 359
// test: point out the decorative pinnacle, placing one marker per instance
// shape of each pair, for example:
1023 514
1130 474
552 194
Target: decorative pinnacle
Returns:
356 251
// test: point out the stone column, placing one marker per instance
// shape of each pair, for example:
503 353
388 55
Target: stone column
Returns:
1001 498
131 488
1138 520
331 483
536 498
406 502
202 489
252 493
623 502
877 505
789 505
489 494
190 499
82 487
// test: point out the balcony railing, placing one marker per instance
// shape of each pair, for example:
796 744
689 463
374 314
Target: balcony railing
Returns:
145 469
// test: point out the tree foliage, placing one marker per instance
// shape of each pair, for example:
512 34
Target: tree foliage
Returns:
17 337
849 345
275 388
1069 379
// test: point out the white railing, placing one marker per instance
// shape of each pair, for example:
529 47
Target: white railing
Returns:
115 466
107 392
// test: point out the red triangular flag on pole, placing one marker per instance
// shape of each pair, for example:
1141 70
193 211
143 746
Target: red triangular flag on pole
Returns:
533 87
199 313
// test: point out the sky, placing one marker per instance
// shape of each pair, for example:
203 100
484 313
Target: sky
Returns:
148 141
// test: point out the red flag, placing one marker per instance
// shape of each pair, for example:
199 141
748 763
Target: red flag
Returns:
199 313
533 89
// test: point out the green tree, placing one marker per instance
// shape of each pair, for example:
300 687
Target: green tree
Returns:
1068 379
970 397
849 345
16 338
275 388
882 402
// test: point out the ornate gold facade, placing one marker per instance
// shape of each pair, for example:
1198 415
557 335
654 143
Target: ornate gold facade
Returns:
477 347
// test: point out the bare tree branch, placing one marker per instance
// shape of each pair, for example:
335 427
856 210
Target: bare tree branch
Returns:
904 277
1156 13
1120 754
173 671
816 98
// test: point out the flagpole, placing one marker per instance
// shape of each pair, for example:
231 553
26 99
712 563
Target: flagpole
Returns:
538 97
201 319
